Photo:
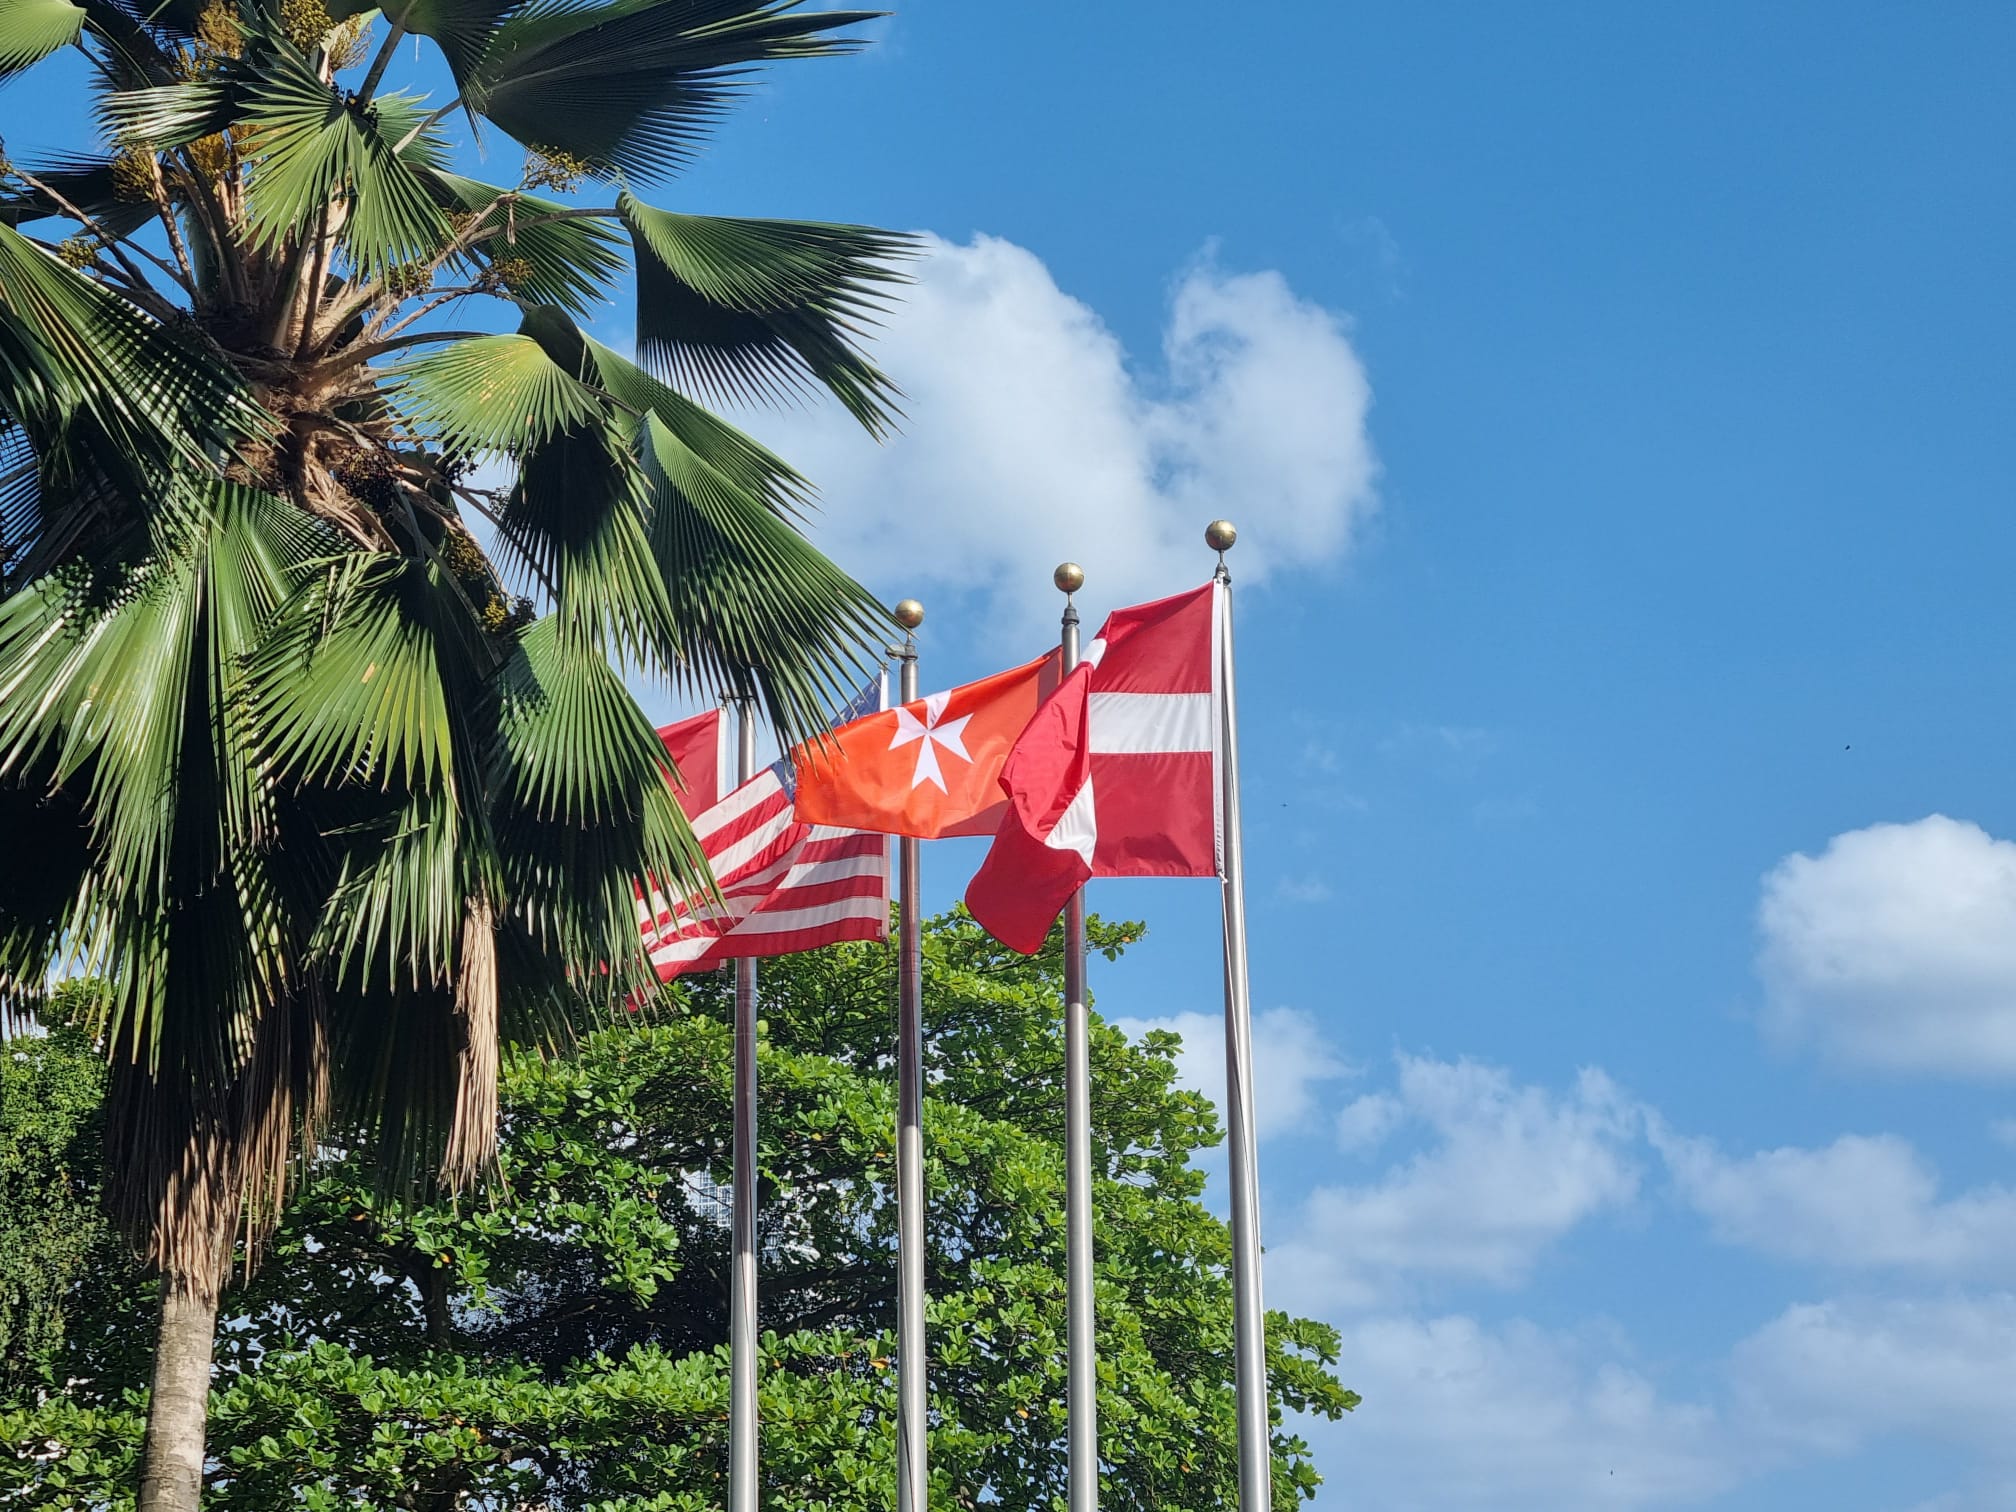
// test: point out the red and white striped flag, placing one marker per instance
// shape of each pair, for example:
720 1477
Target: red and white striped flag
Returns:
1117 774
785 886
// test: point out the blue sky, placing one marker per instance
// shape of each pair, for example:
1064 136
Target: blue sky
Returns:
1616 405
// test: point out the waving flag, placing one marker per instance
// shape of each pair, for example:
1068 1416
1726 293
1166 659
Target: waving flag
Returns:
930 768
1116 775
785 885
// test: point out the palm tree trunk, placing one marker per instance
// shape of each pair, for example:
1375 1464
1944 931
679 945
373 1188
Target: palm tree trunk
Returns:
171 1475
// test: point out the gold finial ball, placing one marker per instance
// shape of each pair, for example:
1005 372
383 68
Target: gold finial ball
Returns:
909 614
1069 577
1219 535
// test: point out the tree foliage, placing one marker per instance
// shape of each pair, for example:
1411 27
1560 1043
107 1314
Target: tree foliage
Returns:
559 1339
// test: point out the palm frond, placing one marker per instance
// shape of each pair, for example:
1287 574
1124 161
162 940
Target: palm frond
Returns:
578 516
155 394
753 608
315 147
498 394
31 30
631 87
83 180
758 609
763 310
571 263
585 806
462 29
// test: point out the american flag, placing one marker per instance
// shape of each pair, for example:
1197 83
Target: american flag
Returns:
785 886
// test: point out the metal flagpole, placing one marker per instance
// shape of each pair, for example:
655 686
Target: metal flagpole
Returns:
742 1333
1083 1377
1249 1320
913 1468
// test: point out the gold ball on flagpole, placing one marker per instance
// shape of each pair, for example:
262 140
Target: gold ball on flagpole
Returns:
1219 535
1069 577
909 614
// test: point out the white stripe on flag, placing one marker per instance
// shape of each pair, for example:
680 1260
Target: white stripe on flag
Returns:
1077 828
770 922
1139 724
746 797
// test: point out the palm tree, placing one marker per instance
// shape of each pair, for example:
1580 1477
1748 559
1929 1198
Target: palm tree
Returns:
281 758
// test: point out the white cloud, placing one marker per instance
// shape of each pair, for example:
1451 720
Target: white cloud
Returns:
1461 1416
1030 438
1509 1169
1364 1122
1896 948
1860 1202
1291 1059
1834 1376
1309 889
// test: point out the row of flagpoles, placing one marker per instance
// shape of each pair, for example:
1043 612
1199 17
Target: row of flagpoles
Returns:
1121 763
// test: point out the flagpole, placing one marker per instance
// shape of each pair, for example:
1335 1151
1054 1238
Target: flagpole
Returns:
913 1472
742 1335
1082 1374
1249 1319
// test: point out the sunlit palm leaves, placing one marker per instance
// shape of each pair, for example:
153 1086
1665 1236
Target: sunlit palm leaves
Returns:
30 30
327 804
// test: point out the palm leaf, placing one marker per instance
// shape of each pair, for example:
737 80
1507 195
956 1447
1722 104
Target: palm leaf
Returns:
577 516
313 147
585 805
753 608
631 87
154 393
761 310
31 30
84 180
492 394
758 610
462 29
571 263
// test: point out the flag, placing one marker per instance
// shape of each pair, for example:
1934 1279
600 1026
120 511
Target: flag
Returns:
929 768
1117 773
699 751
785 885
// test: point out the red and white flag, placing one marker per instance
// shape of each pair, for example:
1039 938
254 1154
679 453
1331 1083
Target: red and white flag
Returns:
1117 774
785 886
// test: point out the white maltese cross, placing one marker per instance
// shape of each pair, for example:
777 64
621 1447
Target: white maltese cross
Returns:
930 735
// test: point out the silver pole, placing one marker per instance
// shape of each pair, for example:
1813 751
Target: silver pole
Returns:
1082 1396
913 1470
742 1335
1249 1318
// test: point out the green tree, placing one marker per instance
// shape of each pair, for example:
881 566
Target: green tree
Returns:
563 1345
281 759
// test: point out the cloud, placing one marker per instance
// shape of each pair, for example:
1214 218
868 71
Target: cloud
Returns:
1462 1415
1030 438
1834 1376
1862 1202
1309 889
1507 1171
1896 948
1291 1059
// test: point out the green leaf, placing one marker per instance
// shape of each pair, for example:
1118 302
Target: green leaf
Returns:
314 151
570 263
31 30
462 29
492 394
763 310
631 87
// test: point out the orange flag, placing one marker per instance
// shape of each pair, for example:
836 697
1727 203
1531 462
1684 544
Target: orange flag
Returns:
931 768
